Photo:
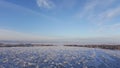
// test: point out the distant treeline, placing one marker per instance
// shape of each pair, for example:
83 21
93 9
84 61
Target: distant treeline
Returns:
104 46
23 45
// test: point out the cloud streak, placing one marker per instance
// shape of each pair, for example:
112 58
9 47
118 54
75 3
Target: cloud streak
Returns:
96 10
100 14
112 13
23 10
48 4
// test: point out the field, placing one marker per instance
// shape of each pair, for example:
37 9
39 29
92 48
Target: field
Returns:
58 57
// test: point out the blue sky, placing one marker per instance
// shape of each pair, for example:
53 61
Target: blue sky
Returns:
59 19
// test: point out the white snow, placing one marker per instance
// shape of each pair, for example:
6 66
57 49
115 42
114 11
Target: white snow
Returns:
58 57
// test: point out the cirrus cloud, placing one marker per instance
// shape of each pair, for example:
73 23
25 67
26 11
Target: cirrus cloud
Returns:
45 4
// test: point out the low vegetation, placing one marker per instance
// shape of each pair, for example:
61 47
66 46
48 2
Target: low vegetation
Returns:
104 46
23 45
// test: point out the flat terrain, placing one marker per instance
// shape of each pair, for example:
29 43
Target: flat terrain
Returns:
58 57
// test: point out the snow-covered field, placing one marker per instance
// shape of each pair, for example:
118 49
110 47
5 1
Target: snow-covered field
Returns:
58 57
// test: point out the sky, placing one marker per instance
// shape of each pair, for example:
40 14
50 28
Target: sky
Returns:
59 19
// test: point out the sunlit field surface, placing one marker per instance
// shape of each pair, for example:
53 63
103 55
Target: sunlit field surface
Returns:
58 57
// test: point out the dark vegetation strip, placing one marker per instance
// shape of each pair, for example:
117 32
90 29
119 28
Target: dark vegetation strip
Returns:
23 45
103 46
112 47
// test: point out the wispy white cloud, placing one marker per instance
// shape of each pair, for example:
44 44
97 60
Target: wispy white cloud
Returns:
23 10
100 13
45 4
111 13
95 10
